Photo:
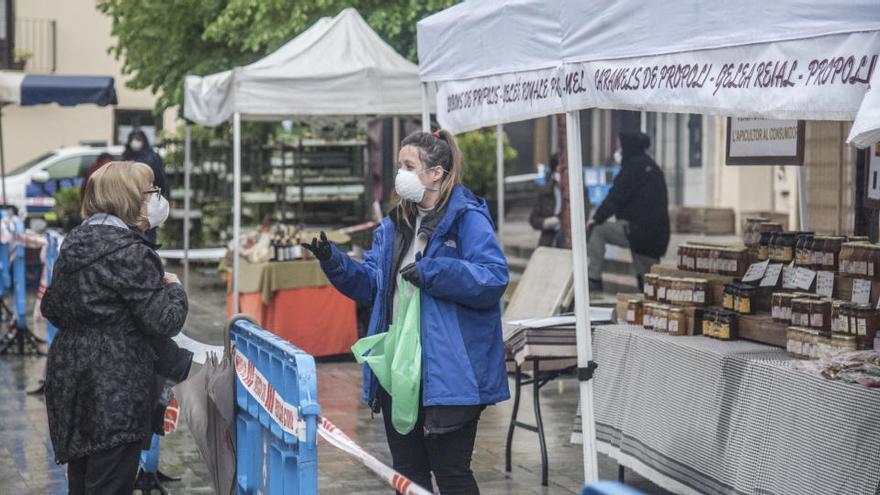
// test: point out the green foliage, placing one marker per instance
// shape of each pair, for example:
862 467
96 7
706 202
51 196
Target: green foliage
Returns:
162 41
478 153
67 205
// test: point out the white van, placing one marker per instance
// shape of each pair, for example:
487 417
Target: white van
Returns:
30 186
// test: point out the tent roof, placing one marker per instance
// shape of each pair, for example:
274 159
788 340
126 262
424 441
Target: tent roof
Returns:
339 66
29 89
497 61
477 38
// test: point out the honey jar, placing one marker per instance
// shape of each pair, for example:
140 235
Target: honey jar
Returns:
634 312
677 322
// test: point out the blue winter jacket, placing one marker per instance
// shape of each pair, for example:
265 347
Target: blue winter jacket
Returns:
464 274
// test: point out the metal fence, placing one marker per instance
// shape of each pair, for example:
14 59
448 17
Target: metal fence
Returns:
39 39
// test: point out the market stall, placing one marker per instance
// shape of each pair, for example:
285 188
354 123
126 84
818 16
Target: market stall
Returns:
339 66
798 59
297 302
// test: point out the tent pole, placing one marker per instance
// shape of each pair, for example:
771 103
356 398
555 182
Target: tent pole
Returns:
581 292
2 156
187 187
499 171
426 112
802 197
236 206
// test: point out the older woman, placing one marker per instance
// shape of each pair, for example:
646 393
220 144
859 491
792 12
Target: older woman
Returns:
114 308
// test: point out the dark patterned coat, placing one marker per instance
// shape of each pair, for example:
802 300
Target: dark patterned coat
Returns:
107 299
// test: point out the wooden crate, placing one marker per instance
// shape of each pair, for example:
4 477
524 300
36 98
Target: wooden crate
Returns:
762 328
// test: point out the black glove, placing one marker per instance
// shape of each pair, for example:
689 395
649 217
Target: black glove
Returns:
410 272
321 249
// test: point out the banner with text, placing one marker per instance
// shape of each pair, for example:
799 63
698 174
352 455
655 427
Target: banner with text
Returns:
814 79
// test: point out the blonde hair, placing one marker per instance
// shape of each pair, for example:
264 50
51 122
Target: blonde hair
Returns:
437 149
118 189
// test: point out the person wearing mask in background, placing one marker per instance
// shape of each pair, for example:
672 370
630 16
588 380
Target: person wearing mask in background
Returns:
548 205
138 149
638 200
116 311
440 238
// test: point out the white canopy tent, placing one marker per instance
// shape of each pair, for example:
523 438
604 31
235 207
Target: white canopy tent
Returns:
339 66
502 61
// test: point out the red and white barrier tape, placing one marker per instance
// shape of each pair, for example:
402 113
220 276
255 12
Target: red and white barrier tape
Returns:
357 228
287 416
340 440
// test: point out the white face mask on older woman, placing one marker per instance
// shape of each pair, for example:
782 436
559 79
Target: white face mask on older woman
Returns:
157 209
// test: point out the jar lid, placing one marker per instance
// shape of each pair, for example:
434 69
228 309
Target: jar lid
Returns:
634 301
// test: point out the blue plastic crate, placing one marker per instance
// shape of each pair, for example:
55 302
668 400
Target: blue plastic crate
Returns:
609 488
269 460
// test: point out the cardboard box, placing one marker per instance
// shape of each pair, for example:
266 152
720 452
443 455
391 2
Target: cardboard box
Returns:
771 216
762 328
717 221
716 282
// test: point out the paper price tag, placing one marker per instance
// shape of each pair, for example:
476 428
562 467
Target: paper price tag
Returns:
861 291
756 271
804 278
825 283
789 276
771 276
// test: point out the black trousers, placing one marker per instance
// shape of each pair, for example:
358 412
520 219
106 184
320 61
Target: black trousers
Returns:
112 471
448 455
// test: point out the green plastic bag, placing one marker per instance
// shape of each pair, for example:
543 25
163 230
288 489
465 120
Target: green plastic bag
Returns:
395 357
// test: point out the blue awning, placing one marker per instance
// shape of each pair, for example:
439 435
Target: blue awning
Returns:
67 90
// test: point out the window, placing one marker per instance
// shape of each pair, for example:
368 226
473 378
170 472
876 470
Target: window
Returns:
129 120
67 168
72 167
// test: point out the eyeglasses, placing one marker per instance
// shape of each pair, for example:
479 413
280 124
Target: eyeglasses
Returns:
156 190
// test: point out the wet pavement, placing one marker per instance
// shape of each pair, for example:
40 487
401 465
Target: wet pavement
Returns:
27 465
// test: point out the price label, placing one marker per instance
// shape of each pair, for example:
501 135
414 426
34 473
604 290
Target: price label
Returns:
756 271
804 278
861 291
789 276
825 283
771 276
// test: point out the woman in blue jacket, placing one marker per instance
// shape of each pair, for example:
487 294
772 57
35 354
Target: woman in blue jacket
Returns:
439 237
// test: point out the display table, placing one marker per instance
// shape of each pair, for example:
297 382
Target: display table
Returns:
294 300
696 415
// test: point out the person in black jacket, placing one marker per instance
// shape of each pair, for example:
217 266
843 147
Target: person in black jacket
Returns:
638 200
138 149
115 309
548 205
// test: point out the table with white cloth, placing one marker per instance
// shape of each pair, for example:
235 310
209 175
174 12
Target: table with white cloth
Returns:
701 416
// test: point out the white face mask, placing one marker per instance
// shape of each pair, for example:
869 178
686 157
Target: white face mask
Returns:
409 186
618 156
157 210
557 177
136 145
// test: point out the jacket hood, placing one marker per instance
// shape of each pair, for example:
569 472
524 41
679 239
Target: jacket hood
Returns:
87 244
633 144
